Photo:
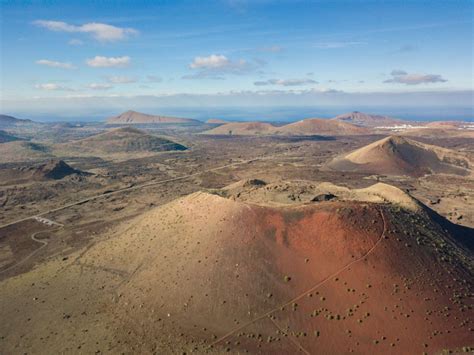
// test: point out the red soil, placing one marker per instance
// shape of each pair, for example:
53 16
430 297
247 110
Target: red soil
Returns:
367 277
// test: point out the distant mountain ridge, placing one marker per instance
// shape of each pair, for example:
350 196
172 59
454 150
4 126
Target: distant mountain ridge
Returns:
134 117
368 120
7 121
307 127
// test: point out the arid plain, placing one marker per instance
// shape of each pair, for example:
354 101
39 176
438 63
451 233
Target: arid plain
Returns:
152 234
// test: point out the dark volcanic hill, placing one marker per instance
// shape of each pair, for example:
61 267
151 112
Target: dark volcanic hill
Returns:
368 120
53 169
6 137
397 155
123 140
133 117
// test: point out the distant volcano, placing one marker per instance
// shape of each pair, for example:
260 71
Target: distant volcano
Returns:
133 117
397 155
368 120
122 140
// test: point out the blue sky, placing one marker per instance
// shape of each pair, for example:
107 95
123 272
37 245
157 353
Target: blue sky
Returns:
96 58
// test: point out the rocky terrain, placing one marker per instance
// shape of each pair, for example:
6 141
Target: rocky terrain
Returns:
350 240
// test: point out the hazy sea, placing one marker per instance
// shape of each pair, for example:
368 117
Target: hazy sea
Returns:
278 114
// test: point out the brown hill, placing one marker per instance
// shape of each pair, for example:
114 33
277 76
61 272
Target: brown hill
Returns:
318 126
449 124
397 155
18 151
121 140
439 132
367 120
243 128
206 274
133 117
217 121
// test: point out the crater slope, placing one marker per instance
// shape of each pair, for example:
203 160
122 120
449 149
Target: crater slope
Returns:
210 274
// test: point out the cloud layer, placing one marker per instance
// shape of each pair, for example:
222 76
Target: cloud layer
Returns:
108 62
99 31
52 87
402 77
116 79
99 86
215 66
55 64
286 82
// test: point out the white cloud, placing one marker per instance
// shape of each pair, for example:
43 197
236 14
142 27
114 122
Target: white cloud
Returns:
215 66
327 91
402 77
99 86
54 64
286 82
121 79
99 31
211 62
107 62
52 87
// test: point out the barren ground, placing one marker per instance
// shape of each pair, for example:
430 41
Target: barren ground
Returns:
85 209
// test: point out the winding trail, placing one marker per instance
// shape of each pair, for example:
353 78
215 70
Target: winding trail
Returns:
294 341
137 187
34 238
304 293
